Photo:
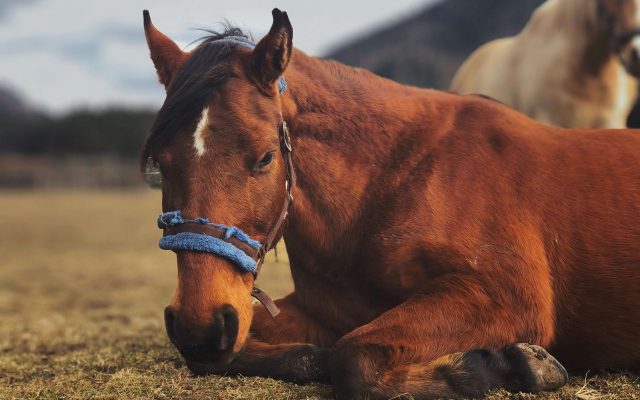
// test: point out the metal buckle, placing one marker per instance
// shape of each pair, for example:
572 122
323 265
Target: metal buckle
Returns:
286 139
266 301
260 255
288 188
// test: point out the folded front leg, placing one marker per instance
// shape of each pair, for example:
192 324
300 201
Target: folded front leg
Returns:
292 362
292 325
457 341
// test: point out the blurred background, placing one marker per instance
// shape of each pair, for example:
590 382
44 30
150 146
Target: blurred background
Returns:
82 282
78 91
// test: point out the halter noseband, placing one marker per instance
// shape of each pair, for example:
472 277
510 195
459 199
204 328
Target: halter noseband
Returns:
228 241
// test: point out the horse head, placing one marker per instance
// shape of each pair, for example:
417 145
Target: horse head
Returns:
218 144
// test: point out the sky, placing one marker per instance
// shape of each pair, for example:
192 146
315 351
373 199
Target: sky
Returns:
66 54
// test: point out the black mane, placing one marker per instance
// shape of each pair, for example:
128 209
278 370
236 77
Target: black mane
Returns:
206 69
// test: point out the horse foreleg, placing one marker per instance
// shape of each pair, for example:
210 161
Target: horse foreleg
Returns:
288 347
292 325
442 345
291 362
518 367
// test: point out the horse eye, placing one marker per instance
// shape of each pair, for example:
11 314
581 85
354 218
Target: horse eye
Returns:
152 174
266 160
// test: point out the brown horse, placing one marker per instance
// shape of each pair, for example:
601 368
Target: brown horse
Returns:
574 65
429 233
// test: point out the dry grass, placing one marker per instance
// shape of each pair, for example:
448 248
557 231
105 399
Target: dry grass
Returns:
82 288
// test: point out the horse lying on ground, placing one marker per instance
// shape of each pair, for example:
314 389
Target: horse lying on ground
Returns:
574 65
429 234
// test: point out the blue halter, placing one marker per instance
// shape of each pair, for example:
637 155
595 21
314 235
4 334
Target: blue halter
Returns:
202 242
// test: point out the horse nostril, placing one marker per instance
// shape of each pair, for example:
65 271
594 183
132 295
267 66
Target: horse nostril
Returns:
225 328
169 322
205 343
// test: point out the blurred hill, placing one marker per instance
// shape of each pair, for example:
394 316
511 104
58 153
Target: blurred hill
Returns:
427 48
13 105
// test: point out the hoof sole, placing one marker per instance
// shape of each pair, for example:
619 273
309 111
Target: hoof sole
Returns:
546 372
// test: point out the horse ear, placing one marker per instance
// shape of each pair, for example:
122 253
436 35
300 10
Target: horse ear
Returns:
272 54
165 53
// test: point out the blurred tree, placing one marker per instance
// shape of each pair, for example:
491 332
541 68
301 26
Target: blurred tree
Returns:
115 132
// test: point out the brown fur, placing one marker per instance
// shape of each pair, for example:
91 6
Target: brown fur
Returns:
425 228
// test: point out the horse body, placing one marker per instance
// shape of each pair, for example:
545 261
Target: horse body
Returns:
429 232
561 69
565 222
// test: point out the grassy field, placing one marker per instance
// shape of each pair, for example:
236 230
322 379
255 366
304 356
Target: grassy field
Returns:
82 289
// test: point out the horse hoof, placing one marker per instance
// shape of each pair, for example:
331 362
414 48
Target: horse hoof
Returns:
545 372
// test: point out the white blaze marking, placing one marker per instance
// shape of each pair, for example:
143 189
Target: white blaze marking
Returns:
201 130
622 89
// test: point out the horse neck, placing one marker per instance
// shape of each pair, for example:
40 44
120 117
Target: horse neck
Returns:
344 124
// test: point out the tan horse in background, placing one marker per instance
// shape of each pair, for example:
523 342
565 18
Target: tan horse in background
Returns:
573 65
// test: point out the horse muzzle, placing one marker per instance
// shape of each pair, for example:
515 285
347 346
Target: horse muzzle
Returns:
211 344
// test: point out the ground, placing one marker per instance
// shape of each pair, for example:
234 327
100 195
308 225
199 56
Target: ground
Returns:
82 289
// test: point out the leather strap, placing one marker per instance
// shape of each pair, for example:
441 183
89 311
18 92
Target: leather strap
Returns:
277 230
266 301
